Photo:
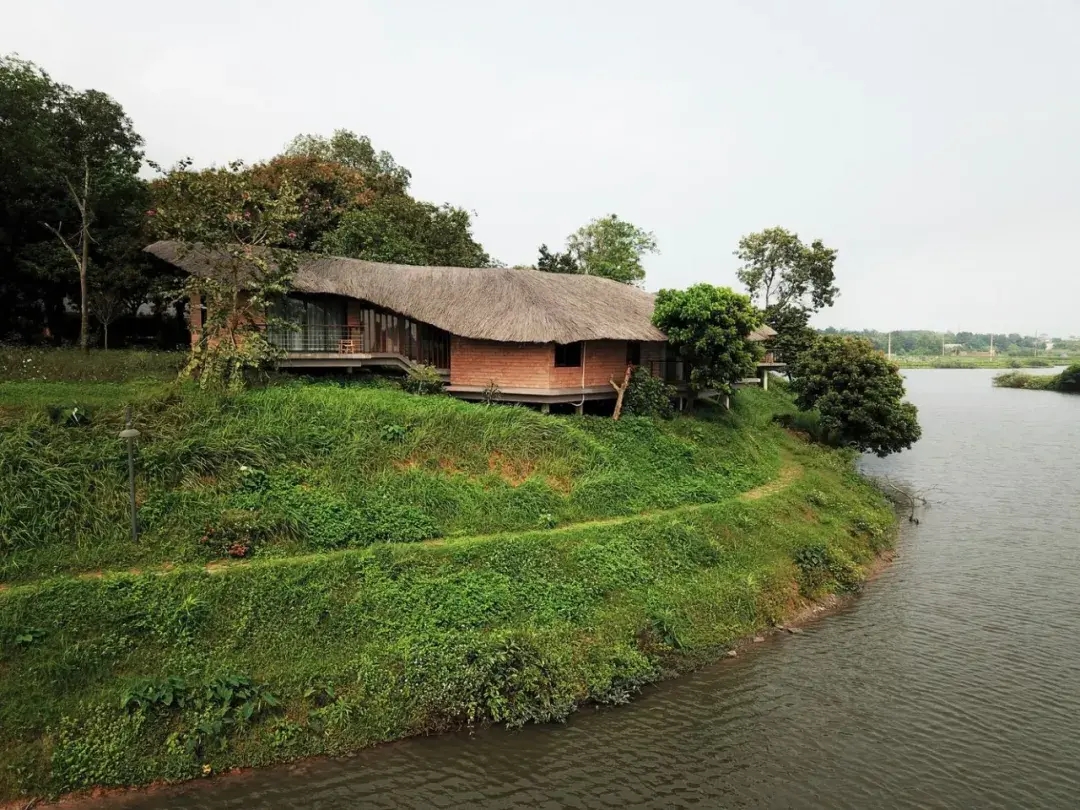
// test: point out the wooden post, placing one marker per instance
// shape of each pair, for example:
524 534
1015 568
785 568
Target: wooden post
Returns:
620 391
545 408
579 408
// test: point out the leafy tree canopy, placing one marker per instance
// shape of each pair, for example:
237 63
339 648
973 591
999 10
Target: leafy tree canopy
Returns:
556 262
347 206
709 327
52 139
793 332
353 151
399 229
780 271
858 393
608 247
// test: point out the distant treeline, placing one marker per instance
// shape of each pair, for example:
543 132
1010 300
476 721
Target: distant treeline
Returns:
924 343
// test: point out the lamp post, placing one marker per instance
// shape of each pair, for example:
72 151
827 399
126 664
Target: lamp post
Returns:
130 434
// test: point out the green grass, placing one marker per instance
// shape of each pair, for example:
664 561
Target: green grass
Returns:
71 365
550 561
325 456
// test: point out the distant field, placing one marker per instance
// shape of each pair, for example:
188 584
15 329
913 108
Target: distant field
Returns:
982 362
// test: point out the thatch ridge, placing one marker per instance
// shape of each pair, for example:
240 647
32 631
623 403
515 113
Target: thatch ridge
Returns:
489 303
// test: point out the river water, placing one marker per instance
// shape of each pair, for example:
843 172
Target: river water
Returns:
954 681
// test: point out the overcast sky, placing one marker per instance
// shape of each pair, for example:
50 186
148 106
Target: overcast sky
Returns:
935 144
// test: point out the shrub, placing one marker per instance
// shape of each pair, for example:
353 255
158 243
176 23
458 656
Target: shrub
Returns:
648 396
1069 380
858 394
1031 382
423 379
393 433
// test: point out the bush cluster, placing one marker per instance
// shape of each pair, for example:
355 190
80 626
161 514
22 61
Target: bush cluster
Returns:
648 395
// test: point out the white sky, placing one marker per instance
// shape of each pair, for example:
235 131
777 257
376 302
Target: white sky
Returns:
935 144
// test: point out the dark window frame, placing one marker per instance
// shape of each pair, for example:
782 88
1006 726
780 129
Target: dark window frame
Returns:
633 352
569 355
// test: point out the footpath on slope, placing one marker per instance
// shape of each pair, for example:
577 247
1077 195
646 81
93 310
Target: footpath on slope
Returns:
790 471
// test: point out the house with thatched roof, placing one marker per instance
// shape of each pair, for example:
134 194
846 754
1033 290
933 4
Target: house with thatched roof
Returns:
536 337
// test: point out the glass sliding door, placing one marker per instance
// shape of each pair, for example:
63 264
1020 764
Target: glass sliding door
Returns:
319 324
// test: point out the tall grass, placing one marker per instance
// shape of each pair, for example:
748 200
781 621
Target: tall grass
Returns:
331 456
72 365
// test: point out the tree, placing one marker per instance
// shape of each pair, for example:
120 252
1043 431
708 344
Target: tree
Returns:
709 326
612 248
858 393
70 196
793 332
347 207
108 306
239 228
780 271
556 262
328 190
398 229
348 149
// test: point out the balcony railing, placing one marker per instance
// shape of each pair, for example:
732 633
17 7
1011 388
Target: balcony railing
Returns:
417 342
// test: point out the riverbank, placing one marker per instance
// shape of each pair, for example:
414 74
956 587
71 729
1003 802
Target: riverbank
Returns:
962 362
554 562
1067 382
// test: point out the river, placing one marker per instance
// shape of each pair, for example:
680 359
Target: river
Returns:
954 681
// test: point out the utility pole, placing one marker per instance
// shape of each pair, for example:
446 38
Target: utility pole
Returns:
991 345
890 346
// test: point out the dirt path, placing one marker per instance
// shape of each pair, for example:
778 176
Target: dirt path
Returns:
790 471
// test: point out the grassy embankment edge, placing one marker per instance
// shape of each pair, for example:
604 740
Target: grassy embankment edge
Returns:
961 362
363 646
1067 382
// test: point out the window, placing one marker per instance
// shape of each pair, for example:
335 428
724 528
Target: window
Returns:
567 355
633 353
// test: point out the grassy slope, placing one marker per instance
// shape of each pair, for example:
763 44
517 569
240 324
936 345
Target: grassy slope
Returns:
657 560
391 464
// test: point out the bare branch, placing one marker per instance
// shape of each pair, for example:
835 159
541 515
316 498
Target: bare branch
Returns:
64 242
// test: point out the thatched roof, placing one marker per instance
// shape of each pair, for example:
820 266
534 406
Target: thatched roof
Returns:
762 333
510 305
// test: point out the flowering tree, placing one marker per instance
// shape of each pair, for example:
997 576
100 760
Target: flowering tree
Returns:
237 229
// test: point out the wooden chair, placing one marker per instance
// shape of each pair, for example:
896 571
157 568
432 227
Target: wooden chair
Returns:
349 344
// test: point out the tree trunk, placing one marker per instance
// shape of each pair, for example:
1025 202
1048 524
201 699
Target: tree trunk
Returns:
620 390
106 327
84 326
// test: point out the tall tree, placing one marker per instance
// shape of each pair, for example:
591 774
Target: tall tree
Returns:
612 248
858 393
354 151
779 271
709 327
398 229
71 201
